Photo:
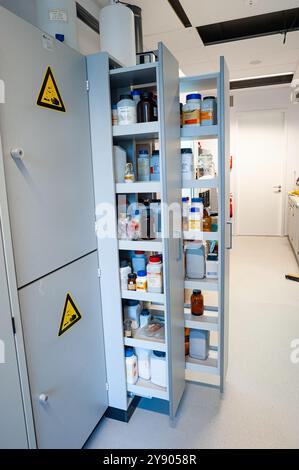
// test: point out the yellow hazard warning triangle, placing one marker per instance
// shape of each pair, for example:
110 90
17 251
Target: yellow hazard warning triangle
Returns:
71 315
49 95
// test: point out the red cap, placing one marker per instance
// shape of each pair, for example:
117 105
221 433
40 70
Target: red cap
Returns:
139 252
155 259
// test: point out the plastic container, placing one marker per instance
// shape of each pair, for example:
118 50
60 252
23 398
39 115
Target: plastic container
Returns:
199 344
125 270
141 281
134 226
145 108
136 95
187 164
195 260
159 368
145 317
144 363
131 366
155 166
186 209
192 110
155 275
139 261
120 163
209 111
212 266
126 110
114 115
198 202
195 219
143 163
132 312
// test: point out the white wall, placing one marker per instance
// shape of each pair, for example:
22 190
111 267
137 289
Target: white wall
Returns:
89 42
266 98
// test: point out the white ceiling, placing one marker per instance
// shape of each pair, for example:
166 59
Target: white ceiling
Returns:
160 23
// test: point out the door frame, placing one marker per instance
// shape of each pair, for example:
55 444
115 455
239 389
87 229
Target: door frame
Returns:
236 180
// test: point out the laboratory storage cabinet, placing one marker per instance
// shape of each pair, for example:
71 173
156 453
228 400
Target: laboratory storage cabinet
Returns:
107 82
216 291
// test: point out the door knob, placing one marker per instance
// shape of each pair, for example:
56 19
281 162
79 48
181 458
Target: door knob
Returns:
17 153
43 398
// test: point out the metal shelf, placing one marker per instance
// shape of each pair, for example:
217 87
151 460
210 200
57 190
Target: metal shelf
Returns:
202 183
141 245
135 188
204 322
199 132
143 296
210 366
152 344
138 131
202 284
203 236
145 388
201 83
132 76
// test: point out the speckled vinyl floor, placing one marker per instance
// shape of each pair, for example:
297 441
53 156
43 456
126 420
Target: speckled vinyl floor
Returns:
260 408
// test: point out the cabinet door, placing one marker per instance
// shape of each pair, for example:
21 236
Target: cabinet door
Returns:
225 221
13 433
296 231
169 113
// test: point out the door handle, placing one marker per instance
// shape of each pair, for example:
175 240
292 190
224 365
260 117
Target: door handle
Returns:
230 236
277 187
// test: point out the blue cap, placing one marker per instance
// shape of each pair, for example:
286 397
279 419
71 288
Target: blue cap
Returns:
194 96
194 209
197 199
156 152
129 352
143 152
136 92
145 312
137 212
132 303
59 37
141 273
159 353
114 106
186 151
185 199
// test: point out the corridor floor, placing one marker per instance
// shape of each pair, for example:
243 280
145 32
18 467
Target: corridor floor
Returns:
260 407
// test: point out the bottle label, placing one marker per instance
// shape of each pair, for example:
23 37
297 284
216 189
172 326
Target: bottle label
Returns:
154 280
191 117
126 115
141 284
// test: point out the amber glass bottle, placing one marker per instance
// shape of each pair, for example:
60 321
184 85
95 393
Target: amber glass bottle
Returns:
197 304
187 339
207 221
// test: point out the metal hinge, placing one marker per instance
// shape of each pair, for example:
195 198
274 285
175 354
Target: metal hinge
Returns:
13 325
99 273
107 386
87 85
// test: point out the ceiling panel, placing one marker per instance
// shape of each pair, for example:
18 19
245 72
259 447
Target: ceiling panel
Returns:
202 12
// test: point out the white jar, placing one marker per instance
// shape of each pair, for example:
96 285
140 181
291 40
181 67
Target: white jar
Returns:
155 275
125 270
195 220
209 111
192 110
212 266
187 164
126 111
159 369
143 163
131 366
144 363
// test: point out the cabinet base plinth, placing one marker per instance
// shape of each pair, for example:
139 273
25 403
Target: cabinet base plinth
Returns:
122 415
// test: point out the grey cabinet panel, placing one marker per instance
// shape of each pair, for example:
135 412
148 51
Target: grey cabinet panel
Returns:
69 369
171 191
225 221
13 428
50 192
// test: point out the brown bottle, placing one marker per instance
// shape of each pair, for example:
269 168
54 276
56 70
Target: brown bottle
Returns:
187 341
207 221
145 108
197 304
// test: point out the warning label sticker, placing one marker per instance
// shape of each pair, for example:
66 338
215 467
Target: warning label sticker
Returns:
71 315
49 96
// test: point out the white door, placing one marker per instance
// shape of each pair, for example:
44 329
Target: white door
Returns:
261 150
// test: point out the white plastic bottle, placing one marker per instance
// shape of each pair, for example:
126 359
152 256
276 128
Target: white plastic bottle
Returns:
155 275
131 366
143 163
159 368
144 363
187 165
126 110
125 270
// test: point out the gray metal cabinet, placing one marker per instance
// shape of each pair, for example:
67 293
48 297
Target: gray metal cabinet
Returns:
107 81
13 432
293 224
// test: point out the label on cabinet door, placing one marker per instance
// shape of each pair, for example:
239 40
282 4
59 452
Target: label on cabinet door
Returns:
49 96
71 315
58 14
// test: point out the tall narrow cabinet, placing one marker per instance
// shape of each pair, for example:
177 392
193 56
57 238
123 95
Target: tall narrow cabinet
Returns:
107 82
216 291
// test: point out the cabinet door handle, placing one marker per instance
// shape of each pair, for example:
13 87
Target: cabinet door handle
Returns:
230 235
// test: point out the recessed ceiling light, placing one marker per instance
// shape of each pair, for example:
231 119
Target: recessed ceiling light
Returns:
251 3
255 62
